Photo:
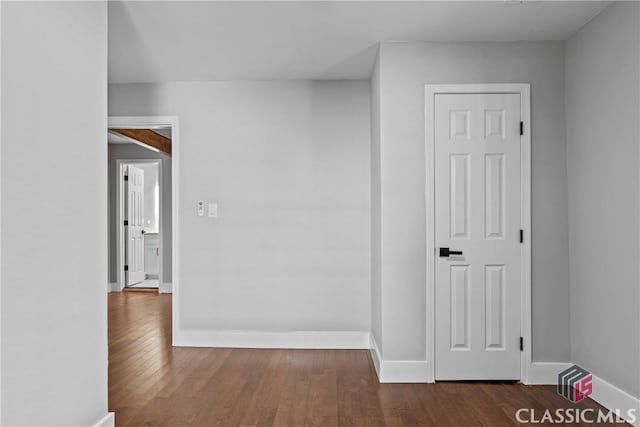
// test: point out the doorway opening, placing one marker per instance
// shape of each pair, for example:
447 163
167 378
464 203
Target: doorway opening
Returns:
140 220
140 207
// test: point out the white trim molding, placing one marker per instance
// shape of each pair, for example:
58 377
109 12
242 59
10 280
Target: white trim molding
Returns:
524 90
375 354
352 340
114 287
398 371
120 215
165 288
545 373
108 420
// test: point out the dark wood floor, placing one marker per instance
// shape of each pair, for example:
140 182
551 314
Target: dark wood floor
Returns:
153 384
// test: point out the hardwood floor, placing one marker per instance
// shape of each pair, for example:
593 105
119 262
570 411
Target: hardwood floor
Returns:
154 384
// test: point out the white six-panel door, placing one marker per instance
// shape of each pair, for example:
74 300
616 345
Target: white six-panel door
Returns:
135 222
477 213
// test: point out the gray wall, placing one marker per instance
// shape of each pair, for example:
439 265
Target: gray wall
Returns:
288 165
603 112
404 70
133 151
54 221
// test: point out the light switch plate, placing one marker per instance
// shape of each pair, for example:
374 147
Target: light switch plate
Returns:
201 208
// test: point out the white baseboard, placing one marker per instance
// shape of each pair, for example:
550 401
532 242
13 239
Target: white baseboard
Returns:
165 288
404 371
108 420
544 373
375 354
259 339
614 399
114 287
398 371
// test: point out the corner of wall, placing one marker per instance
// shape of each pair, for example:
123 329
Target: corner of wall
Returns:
376 244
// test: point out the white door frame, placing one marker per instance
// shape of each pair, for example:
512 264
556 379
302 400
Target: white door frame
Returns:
524 91
120 240
150 122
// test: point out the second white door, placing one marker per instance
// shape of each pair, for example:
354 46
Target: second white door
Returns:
477 231
134 268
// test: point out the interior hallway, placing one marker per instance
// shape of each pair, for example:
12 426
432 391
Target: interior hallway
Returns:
153 384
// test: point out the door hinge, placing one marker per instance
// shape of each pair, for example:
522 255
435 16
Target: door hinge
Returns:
521 344
126 268
521 235
126 223
126 177
521 128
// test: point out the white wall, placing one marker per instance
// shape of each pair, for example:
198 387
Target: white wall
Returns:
54 246
288 164
603 115
133 151
404 70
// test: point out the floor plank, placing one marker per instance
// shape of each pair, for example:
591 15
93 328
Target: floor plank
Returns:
152 383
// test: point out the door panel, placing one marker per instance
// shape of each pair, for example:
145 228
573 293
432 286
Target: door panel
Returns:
477 202
495 312
459 185
460 307
493 192
134 210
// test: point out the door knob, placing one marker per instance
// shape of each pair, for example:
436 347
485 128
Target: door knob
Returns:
446 252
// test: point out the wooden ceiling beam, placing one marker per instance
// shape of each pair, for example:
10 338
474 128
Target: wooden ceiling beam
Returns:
148 137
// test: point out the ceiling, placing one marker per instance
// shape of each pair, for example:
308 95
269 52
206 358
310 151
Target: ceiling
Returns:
114 138
160 41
